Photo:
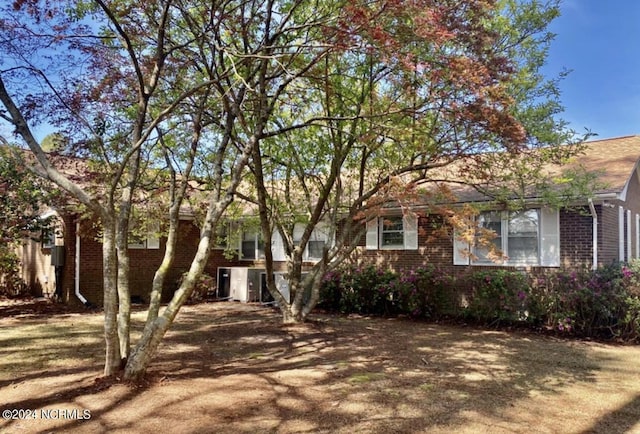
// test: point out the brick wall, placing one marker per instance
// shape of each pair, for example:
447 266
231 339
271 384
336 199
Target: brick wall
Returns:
608 233
576 238
143 264
435 246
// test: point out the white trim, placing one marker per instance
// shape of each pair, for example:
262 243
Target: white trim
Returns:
77 267
629 235
376 231
623 194
637 236
372 234
256 247
381 232
620 234
410 231
461 249
549 237
594 238
153 235
277 247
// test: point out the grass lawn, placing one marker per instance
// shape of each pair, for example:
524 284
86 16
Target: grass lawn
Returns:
232 368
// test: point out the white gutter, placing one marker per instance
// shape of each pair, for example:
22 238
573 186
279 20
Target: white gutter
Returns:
594 217
77 271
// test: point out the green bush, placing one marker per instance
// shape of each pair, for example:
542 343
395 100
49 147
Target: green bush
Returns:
496 296
10 282
367 290
331 291
427 293
604 303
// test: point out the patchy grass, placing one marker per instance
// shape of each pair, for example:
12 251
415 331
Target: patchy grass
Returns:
233 368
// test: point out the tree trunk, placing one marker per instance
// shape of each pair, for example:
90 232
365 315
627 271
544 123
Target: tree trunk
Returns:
110 281
124 302
155 330
161 273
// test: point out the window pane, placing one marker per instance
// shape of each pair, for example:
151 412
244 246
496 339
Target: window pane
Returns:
490 221
248 249
390 239
315 249
392 232
260 248
248 245
523 237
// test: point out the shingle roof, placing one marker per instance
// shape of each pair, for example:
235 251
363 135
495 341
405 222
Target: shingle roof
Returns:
615 160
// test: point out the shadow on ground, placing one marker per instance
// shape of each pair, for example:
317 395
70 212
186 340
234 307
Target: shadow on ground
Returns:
228 367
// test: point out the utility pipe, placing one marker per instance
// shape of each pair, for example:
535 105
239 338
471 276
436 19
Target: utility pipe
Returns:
77 273
594 217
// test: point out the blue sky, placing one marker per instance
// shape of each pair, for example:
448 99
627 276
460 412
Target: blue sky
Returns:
599 41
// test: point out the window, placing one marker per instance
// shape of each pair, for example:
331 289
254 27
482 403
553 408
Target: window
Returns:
488 222
315 249
48 238
517 236
221 237
317 241
150 241
391 233
252 245
523 241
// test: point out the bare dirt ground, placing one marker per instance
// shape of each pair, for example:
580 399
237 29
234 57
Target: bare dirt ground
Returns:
233 368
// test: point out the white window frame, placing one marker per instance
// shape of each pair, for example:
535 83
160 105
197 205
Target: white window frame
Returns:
548 243
318 235
151 242
505 218
376 230
384 229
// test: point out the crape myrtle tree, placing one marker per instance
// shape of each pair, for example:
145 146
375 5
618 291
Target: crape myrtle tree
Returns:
94 83
135 90
154 95
421 97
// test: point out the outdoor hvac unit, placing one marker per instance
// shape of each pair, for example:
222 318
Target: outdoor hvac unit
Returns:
239 283
281 283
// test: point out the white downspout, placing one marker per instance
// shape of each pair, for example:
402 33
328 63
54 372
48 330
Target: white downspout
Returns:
594 217
77 273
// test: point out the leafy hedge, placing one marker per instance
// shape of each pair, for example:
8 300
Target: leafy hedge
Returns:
604 303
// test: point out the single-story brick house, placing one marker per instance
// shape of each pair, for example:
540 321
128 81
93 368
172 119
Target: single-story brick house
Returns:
605 228
68 262
601 229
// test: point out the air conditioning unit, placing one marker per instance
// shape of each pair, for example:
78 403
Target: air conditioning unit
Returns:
281 283
239 283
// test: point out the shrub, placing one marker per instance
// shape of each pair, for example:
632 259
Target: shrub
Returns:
599 303
201 289
367 290
604 303
497 296
427 293
331 291
10 282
